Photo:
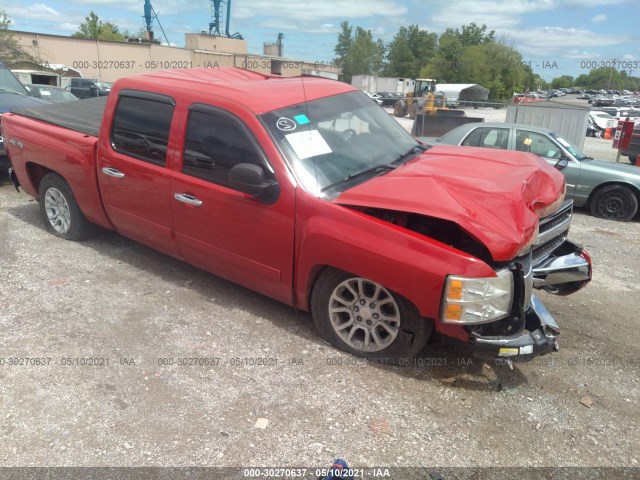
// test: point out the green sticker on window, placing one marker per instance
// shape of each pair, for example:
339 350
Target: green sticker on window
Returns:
301 119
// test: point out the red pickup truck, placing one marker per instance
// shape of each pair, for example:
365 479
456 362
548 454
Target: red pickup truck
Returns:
305 190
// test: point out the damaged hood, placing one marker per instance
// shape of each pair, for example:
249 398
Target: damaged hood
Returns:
494 195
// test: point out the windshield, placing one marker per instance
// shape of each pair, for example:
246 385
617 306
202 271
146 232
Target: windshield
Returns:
8 82
332 139
572 149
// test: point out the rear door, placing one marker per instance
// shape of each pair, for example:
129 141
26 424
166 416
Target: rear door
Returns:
134 180
219 228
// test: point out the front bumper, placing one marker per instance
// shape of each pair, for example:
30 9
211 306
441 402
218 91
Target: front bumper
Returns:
539 339
565 271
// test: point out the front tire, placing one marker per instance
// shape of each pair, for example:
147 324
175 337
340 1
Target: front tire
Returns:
615 202
362 317
61 212
400 109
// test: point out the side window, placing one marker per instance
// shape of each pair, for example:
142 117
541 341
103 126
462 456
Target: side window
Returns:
141 128
536 143
487 137
214 143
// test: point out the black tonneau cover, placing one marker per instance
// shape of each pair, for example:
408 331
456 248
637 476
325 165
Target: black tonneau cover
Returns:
83 116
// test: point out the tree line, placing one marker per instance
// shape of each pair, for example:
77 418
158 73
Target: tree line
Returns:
607 78
470 54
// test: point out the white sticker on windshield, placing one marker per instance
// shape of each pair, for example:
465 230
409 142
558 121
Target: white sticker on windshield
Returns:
285 124
45 93
563 142
308 143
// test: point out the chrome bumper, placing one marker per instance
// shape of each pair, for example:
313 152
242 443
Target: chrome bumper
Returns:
565 272
542 338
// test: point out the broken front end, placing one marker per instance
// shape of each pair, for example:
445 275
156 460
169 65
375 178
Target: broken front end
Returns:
502 315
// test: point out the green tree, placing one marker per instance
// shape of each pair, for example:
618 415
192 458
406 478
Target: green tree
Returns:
409 51
609 79
11 53
565 81
96 29
357 53
446 64
341 49
471 55
472 34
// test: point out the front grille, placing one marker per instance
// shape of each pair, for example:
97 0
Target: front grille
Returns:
543 251
553 231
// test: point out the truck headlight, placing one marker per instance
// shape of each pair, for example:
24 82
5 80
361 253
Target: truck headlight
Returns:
477 300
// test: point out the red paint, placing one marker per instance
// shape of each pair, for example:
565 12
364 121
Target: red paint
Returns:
279 249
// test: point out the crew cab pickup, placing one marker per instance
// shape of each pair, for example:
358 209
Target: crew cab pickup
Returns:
304 190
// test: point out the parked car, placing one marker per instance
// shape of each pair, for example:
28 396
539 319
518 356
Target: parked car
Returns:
48 92
389 99
598 122
87 87
610 190
375 97
527 97
313 195
621 113
12 95
634 146
602 102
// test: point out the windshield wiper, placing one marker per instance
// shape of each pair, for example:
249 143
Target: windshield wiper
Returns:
385 167
410 153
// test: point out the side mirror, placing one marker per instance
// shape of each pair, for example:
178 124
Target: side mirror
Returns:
561 164
251 179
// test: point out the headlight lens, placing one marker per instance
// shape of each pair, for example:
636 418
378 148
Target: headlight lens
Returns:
477 300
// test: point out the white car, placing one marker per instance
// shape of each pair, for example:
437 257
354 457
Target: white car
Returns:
375 97
601 120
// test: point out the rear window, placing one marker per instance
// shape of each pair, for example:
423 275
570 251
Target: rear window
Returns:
141 128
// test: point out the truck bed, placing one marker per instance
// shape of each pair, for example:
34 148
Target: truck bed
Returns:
84 116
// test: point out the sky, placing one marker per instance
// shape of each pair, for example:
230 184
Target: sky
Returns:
555 37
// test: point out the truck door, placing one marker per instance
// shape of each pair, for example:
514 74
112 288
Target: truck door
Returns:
134 180
225 231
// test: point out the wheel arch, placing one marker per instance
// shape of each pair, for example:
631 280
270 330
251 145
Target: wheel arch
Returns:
36 173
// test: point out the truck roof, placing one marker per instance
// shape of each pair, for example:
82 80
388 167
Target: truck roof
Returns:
259 92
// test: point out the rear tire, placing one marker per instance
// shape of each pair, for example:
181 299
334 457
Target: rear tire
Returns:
363 318
633 160
614 202
61 212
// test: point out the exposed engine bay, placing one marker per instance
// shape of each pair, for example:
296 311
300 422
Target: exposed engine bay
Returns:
438 229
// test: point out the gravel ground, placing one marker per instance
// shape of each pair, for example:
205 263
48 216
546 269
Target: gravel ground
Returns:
138 310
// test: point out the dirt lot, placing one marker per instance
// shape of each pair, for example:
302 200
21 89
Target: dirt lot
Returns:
112 319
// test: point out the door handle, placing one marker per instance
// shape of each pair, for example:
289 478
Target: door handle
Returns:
112 172
186 198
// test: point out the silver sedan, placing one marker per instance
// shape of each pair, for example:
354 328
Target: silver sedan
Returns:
610 190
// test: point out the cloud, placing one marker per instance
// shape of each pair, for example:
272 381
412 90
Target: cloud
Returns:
68 27
600 18
36 11
501 13
546 41
317 11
